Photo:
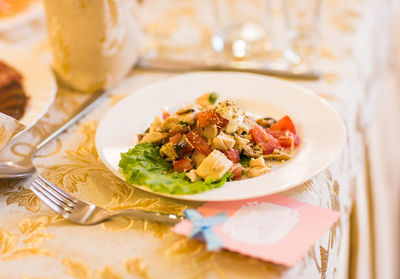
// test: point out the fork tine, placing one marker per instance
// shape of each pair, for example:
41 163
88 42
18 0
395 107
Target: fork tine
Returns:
48 201
54 193
52 197
58 190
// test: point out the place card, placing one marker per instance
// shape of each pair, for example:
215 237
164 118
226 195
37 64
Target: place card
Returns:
272 228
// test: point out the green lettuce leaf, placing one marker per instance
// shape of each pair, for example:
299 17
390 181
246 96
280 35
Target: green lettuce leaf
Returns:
143 165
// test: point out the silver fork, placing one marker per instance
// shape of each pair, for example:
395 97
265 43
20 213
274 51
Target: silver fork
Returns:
85 213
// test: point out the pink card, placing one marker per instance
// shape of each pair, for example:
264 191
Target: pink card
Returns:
271 228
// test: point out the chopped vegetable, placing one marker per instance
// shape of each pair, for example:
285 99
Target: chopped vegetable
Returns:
212 98
183 123
284 124
182 165
286 141
165 115
199 142
237 171
285 138
268 142
233 155
245 160
210 117
183 148
201 146
175 138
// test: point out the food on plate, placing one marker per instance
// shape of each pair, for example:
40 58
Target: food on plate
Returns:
12 96
203 145
10 8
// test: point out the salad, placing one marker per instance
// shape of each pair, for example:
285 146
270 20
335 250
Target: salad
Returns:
203 145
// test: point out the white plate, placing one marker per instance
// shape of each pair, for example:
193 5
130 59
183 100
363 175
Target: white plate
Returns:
34 11
320 128
38 81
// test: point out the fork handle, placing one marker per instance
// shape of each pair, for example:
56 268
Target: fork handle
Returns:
149 215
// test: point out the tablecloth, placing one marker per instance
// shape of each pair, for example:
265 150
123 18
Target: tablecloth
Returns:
37 243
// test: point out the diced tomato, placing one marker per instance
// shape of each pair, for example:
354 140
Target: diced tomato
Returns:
276 134
175 138
165 115
182 165
284 124
259 135
237 171
284 137
233 155
209 117
286 141
199 142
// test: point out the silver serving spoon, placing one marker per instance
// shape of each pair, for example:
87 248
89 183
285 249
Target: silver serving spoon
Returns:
24 167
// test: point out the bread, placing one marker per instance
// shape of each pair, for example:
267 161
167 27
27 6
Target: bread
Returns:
13 99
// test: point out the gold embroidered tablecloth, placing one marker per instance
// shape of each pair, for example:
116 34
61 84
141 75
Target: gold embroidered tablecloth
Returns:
36 243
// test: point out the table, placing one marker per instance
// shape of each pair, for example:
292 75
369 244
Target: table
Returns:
36 243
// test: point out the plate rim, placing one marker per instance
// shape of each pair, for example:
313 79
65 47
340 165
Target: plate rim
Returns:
280 82
43 67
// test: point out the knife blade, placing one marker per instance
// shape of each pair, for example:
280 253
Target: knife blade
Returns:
82 110
164 64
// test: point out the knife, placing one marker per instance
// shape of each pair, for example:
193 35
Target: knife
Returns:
82 110
165 64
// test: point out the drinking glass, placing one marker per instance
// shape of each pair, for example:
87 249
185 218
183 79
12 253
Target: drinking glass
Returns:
243 28
94 43
177 30
302 19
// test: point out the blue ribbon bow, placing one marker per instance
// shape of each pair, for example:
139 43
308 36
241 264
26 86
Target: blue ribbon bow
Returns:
203 227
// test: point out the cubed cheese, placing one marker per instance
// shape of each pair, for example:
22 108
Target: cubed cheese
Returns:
214 166
228 141
197 158
223 142
218 143
210 132
192 175
257 163
230 111
254 172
